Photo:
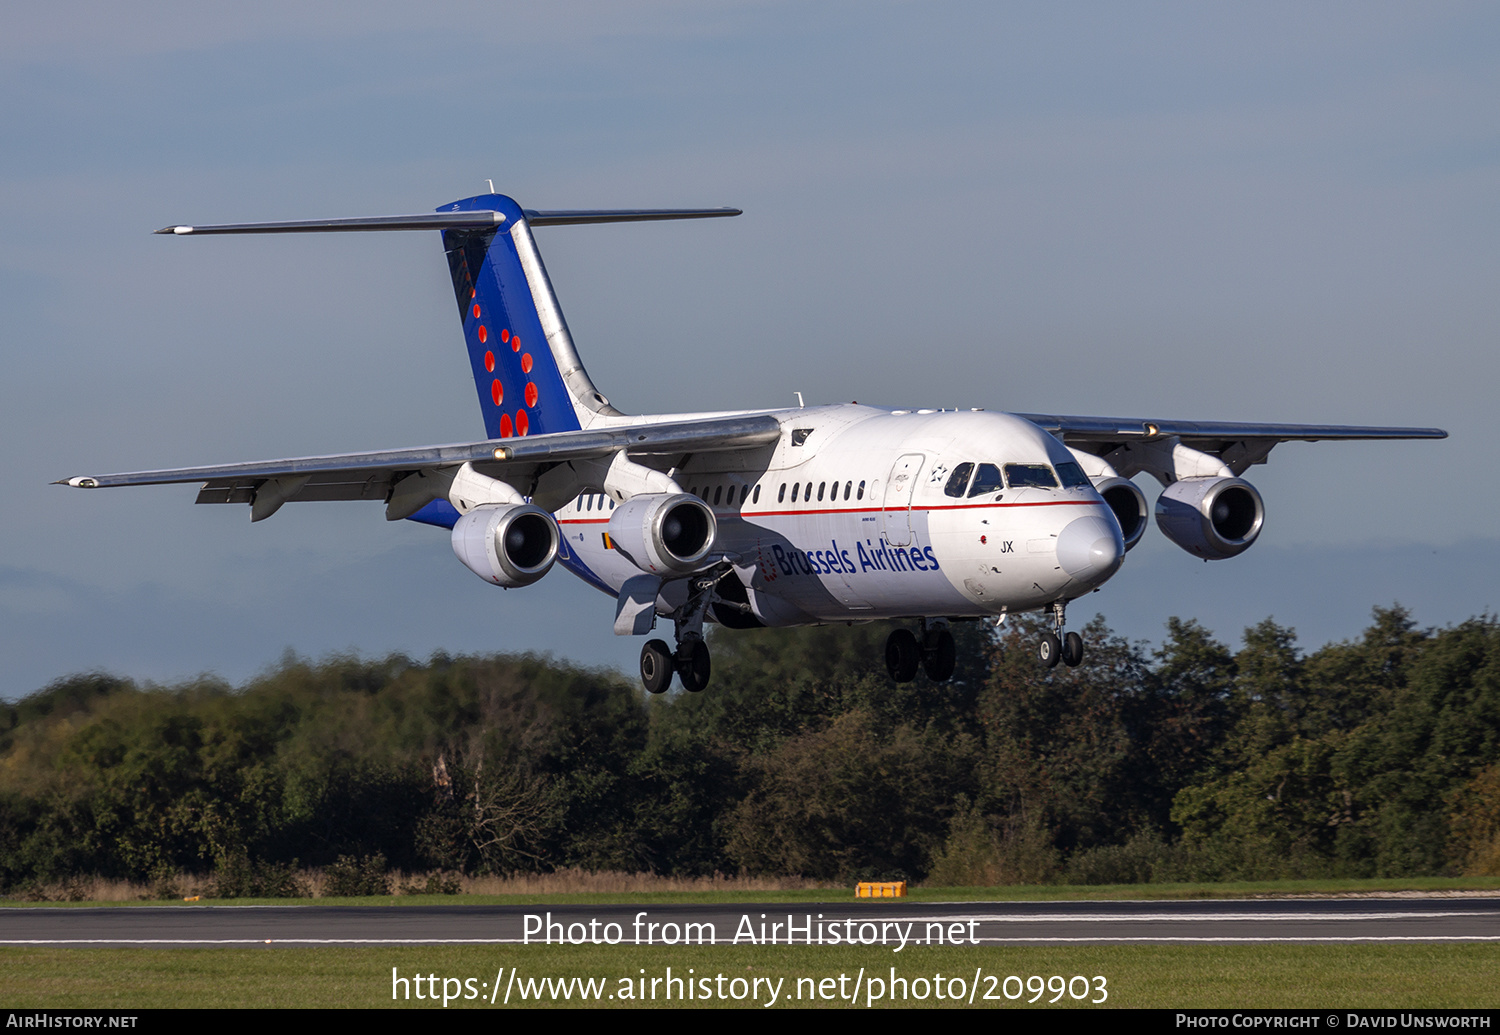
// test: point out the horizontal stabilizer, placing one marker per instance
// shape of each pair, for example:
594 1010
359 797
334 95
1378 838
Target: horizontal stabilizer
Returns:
571 217
418 221
471 220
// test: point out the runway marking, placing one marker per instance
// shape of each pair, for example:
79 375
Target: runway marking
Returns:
517 941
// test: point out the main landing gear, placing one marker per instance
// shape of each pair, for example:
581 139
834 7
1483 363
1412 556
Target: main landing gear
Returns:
690 661
935 652
1056 646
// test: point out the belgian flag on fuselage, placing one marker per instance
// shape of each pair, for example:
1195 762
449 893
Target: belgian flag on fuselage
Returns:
521 390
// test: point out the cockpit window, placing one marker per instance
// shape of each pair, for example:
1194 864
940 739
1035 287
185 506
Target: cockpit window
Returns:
1072 476
959 480
1022 475
987 480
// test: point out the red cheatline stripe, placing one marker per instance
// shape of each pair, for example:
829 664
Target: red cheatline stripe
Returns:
868 510
898 510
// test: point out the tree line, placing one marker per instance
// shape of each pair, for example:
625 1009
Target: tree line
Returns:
1191 761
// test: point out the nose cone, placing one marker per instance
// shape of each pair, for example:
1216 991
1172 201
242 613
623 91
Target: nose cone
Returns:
1090 549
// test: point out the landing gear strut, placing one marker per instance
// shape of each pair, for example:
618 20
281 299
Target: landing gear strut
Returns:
935 652
1056 646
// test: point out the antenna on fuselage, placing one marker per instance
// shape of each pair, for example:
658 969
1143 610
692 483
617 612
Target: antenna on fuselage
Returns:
491 185
800 403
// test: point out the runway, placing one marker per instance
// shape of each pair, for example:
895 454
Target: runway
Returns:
893 923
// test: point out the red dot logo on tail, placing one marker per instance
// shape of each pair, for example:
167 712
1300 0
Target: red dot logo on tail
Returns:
521 422
476 309
483 334
505 425
489 362
497 391
530 397
526 363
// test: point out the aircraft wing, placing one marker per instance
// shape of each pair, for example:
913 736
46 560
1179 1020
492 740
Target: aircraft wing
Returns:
370 476
1239 445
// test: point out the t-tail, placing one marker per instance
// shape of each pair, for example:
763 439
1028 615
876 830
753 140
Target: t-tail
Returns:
526 370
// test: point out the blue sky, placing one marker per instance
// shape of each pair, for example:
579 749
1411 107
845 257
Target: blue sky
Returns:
1277 212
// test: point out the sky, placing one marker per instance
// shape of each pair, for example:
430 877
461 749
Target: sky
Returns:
1268 212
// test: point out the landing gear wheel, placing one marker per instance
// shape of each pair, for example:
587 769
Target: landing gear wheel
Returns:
1049 650
1072 650
693 665
902 656
656 666
940 657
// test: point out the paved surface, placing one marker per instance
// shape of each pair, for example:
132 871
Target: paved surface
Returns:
887 922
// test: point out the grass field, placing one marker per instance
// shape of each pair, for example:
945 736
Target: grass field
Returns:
1321 977
605 888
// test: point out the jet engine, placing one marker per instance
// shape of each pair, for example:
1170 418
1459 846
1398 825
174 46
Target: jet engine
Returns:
664 533
1212 518
1128 503
510 545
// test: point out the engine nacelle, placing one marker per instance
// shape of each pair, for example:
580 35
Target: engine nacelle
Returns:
1212 518
1128 503
510 545
664 533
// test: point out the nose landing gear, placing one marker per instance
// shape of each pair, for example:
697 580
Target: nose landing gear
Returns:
1058 646
935 653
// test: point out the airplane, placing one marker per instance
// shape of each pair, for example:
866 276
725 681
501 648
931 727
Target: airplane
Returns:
800 516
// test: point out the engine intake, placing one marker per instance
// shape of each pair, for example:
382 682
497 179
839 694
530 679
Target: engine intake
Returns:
1212 518
1128 503
664 533
508 545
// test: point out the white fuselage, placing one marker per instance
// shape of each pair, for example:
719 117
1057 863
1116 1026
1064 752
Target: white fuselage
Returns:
852 515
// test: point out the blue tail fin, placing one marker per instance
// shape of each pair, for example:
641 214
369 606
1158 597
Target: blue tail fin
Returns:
528 374
526 370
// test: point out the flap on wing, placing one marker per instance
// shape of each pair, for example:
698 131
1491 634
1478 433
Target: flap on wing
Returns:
369 476
1239 445
1201 434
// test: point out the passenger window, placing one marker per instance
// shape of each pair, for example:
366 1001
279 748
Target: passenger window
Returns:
821 487
718 495
958 481
745 493
986 479
1023 475
795 487
807 493
848 489
756 497
781 494
861 494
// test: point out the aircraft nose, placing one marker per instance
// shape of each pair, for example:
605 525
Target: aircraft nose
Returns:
1090 549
